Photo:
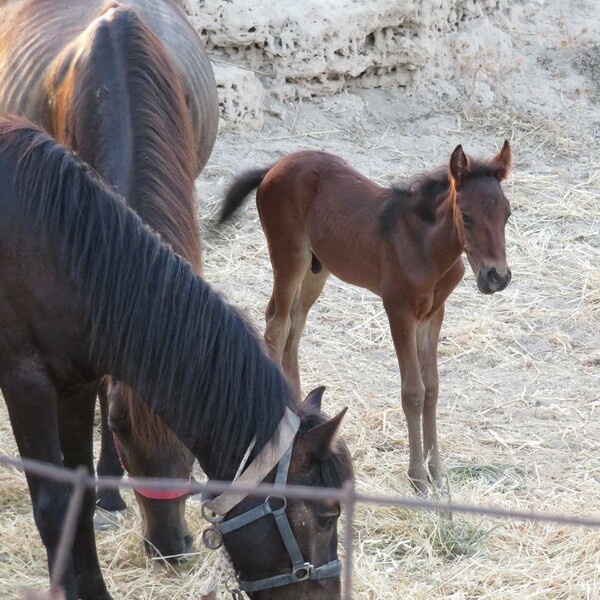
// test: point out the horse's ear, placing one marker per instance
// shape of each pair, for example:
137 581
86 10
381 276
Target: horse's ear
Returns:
503 161
459 165
314 398
320 440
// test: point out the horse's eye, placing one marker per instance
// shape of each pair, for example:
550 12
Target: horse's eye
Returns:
466 219
327 517
326 522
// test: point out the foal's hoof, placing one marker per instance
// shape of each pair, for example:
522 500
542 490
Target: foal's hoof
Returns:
421 487
107 519
428 487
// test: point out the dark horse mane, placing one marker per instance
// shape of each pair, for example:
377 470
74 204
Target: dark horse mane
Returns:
165 160
423 194
162 188
153 321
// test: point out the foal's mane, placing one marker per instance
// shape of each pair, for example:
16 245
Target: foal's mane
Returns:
423 194
162 190
154 323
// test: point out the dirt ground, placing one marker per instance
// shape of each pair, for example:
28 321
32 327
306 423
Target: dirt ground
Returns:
519 371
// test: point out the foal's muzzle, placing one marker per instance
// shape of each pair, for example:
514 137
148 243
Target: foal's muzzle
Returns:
489 280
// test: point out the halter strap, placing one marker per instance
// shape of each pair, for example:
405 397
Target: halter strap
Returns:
301 570
272 455
261 466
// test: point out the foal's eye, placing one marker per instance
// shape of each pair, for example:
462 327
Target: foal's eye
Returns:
466 219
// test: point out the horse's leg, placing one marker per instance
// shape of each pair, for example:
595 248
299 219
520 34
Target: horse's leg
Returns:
311 289
109 463
290 264
76 423
403 326
31 398
428 333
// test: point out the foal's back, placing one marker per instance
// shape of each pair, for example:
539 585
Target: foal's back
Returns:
320 198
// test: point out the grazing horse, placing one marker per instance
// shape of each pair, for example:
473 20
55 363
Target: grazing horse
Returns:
87 289
131 90
403 243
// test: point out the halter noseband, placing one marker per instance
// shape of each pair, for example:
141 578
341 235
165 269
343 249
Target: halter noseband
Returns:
301 570
154 494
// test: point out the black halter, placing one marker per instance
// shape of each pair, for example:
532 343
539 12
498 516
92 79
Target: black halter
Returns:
274 505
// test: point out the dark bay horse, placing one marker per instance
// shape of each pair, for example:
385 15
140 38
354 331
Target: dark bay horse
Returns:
87 289
403 243
131 90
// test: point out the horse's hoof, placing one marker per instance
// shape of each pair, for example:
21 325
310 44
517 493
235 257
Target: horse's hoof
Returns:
107 519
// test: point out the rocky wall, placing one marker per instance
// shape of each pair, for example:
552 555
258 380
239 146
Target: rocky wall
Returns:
296 48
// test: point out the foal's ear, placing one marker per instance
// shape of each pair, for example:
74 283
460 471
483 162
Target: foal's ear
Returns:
320 440
314 398
503 161
459 165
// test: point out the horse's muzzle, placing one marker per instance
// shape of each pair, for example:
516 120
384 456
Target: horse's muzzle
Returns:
490 281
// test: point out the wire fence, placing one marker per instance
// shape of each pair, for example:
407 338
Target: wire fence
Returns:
347 496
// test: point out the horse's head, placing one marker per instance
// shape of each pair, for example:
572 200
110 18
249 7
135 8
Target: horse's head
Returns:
481 212
304 563
148 448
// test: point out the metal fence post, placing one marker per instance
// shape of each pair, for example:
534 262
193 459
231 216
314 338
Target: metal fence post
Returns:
349 507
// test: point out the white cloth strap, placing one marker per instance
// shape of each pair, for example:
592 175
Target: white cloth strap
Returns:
261 466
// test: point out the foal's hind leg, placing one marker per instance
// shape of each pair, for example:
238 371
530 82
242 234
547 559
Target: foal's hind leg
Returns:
312 286
289 268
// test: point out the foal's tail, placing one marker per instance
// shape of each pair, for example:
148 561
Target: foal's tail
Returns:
239 189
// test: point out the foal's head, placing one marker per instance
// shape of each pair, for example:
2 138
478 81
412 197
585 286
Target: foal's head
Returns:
148 448
481 212
320 459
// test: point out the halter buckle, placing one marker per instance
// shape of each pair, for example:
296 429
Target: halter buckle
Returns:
209 515
232 586
303 572
212 538
280 509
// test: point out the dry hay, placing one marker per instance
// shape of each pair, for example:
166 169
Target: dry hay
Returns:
519 399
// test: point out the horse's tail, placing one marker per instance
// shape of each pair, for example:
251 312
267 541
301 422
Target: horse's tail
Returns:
239 189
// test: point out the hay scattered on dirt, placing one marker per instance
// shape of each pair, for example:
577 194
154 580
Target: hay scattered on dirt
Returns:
519 372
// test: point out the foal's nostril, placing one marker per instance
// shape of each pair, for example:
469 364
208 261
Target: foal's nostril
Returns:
493 276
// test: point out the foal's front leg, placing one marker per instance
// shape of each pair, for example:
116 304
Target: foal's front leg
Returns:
428 333
403 326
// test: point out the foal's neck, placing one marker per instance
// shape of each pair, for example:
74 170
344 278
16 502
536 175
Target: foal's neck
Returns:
444 235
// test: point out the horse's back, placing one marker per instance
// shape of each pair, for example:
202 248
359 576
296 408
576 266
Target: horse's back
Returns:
33 34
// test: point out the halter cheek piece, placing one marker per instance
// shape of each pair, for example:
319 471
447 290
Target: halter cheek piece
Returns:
274 505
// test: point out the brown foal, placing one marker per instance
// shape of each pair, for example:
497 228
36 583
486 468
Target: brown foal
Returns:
403 243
